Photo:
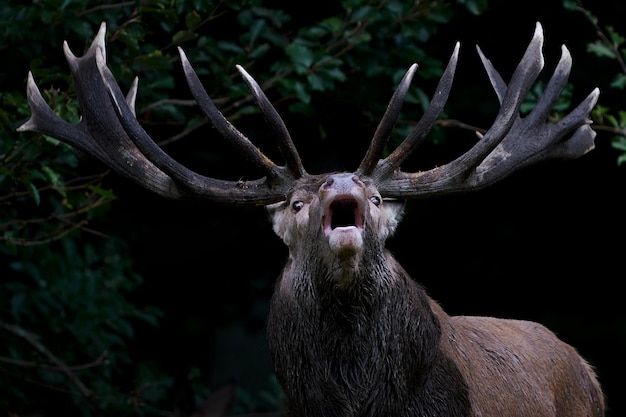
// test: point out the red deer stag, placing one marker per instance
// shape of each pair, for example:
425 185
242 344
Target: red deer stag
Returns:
350 333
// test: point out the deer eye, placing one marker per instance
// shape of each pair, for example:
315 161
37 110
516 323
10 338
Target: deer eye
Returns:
375 200
297 205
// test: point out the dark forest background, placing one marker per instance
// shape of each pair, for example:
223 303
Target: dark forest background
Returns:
116 302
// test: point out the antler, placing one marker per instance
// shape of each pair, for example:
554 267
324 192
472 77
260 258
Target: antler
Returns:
109 131
511 143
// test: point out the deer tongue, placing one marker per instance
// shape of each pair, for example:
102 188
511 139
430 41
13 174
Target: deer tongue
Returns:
343 225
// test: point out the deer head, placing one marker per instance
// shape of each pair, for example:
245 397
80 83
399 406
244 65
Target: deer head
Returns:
350 332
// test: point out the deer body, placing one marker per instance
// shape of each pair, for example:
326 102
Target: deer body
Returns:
350 332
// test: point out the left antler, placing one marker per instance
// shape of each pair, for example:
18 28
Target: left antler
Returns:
511 143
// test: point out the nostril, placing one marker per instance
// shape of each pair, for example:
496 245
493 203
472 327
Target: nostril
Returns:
329 181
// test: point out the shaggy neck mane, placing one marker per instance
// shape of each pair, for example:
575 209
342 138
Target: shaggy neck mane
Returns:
375 339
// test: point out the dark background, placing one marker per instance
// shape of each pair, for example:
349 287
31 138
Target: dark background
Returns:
545 244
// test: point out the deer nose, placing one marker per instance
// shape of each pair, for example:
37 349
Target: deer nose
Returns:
342 183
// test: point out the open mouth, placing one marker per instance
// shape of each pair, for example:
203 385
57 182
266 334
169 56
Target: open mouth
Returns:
343 212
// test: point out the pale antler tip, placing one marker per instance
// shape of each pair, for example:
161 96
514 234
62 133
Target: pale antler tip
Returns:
241 70
565 54
69 55
480 53
538 35
248 78
31 92
536 44
411 71
185 61
455 53
23 127
594 95
99 39
31 86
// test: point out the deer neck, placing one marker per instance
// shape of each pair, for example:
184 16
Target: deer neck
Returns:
378 336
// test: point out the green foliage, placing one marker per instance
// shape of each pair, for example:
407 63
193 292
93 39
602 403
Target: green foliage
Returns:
67 316
65 313
609 45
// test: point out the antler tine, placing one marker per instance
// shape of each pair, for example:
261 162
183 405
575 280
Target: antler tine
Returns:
131 96
226 129
512 142
387 166
45 121
388 121
276 124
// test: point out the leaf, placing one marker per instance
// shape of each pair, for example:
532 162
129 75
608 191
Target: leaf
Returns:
34 192
600 49
102 192
183 36
362 13
616 38
257 28
619 81
571 5
332 24
192 20
54 178
475 7
230 47
259 51
619 143
302 92
316 82
301 56
337 74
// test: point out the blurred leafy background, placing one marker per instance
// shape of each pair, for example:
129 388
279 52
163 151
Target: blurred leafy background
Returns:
115 302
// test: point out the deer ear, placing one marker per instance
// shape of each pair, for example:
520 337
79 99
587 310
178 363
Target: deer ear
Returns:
394 209
281 223
271 209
